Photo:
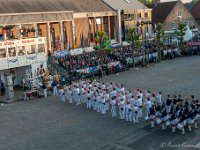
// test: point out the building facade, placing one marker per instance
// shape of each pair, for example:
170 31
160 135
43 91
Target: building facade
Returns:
64 24
195 11
172 13
130 14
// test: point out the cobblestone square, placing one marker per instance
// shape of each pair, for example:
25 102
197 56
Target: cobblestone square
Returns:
48 124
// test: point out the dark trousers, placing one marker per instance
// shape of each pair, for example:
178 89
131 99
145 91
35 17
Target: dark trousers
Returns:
2 91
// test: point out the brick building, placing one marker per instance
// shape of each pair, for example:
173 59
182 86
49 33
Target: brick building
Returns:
170 13
195 11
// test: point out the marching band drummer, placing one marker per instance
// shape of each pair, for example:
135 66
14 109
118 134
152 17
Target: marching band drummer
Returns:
148 106
196 116
174 121
159 99
168 104
152 116
190 119
182 122
164 118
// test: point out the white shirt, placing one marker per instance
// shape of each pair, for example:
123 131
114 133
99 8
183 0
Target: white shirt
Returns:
159 97
148 104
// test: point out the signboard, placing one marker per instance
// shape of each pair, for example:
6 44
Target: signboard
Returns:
193 43
17 53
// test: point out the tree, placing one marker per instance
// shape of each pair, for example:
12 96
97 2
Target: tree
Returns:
160 36
180 33
133 37
103 44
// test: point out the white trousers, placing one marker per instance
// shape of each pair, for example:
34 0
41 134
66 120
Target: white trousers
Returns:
113 111
55 92
45 92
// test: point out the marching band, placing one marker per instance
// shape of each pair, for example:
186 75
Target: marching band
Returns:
174 113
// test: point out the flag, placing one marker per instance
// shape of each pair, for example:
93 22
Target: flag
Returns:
51 39
88 41
82 40
74 42
65 39
59 45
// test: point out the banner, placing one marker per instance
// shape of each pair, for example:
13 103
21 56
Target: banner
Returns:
88 70
61 53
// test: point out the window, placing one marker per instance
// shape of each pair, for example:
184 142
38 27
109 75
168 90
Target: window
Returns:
146 15
12 52
30 49
90 21
105 20
98 21
41 48
139 15
2 53
173 25
22 50
179 14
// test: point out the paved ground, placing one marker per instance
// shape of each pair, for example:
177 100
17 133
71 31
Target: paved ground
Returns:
48 124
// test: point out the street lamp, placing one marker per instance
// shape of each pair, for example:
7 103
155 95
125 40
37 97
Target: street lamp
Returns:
146 24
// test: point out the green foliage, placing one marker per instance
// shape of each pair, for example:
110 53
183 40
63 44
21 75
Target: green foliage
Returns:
160 35
133 37
148 2
102 41
181 32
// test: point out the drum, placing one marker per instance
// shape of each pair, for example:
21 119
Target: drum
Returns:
146 118
179 126
28 94
158 120
167 123
166 118
174 122
190 121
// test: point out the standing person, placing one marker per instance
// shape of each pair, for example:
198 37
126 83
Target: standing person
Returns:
44 87
135 113
168 104
100 72
139 105
121 109
12 72
54 86
2 87
152 113
159 99
113 107
23 82
148 106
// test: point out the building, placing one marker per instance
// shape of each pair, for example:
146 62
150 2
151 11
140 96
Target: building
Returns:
29 28
195 11
172 13
63 22
130 13
91 16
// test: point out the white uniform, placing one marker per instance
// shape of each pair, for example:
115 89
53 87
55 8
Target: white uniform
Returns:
128 112
113 108
159 99
135 112
121 110
148 106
